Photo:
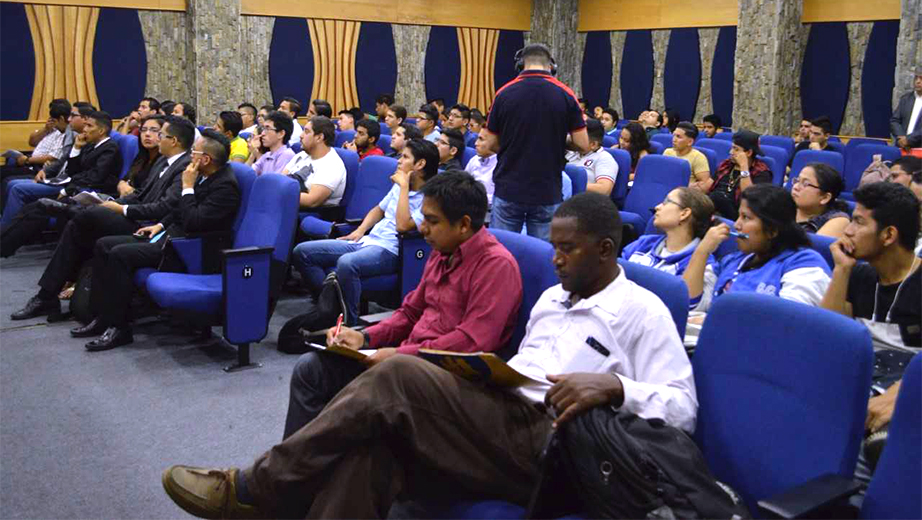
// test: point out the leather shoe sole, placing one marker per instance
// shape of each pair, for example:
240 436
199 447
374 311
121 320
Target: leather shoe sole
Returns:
34 311
117 339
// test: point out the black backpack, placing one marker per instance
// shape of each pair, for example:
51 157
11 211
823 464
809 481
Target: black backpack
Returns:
618 465
311 326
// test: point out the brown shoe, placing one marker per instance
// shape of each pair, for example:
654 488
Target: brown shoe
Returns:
207 493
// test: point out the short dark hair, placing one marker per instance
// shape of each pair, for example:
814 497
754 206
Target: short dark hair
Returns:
464 109
323 125
386 98
250 108
373 128
595 215
894 205
348 112
188 111
322 108
909 163
457 193
430 112
595 130
182 129
411 132
85 108
689 129
293 104
916 178
477 115
167 107
423 149
824 123
455 140
357 113
267 107
612 112
436 101
776 209
59 108
283 123
217 145
232 122
103 119
829 180
152 103
400 111
714 119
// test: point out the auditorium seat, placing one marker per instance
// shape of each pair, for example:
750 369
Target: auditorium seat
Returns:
805 157
711 156
669 288
781 141
723 136
657 147
654 178
385 130
776 407
410 121
610 140
128 148
342 137
578 179
820 244
837 146
781 157
296 147
314 226
772 167
859 157
720 147
384 143
468 154
619 191
471 140
664 140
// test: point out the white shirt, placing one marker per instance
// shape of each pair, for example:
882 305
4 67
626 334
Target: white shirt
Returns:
634 326
296 131
52 144
916 110
481 169
329 171
433 136
250 130
598 164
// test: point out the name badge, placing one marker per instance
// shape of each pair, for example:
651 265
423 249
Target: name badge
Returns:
598 347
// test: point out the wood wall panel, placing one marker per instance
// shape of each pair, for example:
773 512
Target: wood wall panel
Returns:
478 55
850 10
148 5
334 43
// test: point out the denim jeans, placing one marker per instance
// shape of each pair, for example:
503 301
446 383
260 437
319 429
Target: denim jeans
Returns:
510 216
22 192
351 262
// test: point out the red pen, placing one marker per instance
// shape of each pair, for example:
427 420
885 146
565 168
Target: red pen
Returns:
339 325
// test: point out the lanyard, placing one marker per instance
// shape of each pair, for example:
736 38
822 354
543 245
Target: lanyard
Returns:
895 296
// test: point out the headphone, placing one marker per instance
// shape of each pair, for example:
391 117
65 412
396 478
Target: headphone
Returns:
520 59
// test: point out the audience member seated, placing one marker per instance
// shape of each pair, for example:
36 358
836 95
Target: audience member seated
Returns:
906 121
651 122
481 166
669 120
635 141
601 168
167 106
262 115
438 104
123 216
317 167
815 192
902 169
820 129
737 173
712 126
684 216
426 121
130 125
802 135
683 141
48 142
407 415
467 262
292 107
209 201
148 155
774 256
402 135
916 185
609 120
187 111
459 117
248 117
382 104
478 121
346 120
451 145
269 151
229 124
396 115
355 255
320 107
884 291
365 142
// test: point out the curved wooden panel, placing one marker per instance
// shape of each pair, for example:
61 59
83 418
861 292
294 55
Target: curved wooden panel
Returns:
682 76
334 44
90 76
477 52
39 84
877 79
826 73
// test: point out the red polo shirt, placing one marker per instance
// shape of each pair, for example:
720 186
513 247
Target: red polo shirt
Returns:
371 151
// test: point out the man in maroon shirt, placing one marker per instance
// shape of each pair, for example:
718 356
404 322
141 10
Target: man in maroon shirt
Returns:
467 300
365 143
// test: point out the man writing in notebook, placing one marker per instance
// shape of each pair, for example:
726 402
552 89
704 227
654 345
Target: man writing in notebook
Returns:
596 339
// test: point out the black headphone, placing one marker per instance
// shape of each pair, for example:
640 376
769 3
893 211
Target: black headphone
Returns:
520 59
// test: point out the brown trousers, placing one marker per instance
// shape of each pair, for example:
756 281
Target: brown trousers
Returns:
397 422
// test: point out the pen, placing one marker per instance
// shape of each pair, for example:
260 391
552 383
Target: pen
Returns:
737 234
339 325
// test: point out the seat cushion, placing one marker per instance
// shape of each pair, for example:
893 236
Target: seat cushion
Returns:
191 292
141 276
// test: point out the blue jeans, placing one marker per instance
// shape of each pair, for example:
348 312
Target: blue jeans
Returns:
510 216
22 192
351 261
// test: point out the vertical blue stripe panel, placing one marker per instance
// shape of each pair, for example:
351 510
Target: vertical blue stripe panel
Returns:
119 61
636 73
443 65
826 73
291 61
722 75
504 67
18 75
597 68
877 78
682 76
375 63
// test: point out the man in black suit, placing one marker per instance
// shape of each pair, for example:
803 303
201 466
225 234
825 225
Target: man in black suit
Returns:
906 121
159 196
209 201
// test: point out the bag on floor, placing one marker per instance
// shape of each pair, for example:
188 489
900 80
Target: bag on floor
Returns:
80 301
311 326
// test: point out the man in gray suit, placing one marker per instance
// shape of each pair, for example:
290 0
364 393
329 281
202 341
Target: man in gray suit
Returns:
906 121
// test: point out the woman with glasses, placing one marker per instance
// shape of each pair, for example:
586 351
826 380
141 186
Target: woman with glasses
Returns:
684 216
774 254
814 192
148 153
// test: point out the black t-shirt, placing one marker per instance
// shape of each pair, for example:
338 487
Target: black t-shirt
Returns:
906 311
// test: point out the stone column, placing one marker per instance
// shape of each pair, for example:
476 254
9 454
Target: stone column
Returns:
554 23
769 46
169 73
660 47
219 72
410 42
908 47
617 51
707 38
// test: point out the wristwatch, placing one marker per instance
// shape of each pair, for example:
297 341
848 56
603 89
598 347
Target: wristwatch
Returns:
744 174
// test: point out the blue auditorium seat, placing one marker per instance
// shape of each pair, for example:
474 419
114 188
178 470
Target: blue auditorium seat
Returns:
128 148
471 140
313 225
296 147
468 154
782 394
578 178
820 244
781 157
669 288
781 141
654 178
342 137
245 135
836 145
384 143
711 156
657 147
619 191
858 158
805 157
720 147
385 130
772 166
243 296
664 140
727 246
723 136
610 140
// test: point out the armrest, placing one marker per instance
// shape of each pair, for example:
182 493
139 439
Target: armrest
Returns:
189 251
246 274
344 228
810 497
246 251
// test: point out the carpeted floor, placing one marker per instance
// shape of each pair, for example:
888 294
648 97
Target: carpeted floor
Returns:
86 435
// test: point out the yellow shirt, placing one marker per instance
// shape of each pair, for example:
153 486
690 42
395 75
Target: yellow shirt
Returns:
239 149
696 159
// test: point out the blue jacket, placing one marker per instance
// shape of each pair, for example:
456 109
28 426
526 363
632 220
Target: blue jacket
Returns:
797 274
643 251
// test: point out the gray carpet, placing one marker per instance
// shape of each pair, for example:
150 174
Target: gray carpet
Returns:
86 435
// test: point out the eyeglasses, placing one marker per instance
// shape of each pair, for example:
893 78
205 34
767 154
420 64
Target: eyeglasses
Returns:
164 136
269 128
667 200
196 152
150 130
804 183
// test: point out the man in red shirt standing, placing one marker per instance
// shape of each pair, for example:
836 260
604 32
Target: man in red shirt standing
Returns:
365 142
467 300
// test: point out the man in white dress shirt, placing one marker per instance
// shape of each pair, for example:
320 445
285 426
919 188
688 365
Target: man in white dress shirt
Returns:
595 339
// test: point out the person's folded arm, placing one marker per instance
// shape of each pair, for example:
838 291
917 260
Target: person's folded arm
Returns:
316 196
159 208
213 213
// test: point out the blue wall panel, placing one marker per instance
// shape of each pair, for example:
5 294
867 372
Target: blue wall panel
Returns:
682 75
826 73
18 75
504 68
722 75
877 78
636 73
597 69
291 61
375 63
119 61
443 65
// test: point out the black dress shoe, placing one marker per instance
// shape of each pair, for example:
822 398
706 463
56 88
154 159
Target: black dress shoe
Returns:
56 208
93 328
37 307
111 338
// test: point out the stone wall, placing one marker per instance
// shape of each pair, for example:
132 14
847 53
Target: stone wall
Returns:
660 44
216 44
908 47
554 23
617 49
858 35
255 37
410 42
169 70
707 43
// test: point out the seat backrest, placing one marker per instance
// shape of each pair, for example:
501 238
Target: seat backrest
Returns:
723 136
619 191
271 215
772 165
727 246
820 244
720 147
578 178
657 147
128 148
711 156
781 157
410 121
468 154
245 135
374 181
610 140
669 288
384 143
781 141
805 157
471 140
351 161
385 130
894 488
342 137
665 140
836 145
245 178
859 157
655 177
534 257
776 406
296 147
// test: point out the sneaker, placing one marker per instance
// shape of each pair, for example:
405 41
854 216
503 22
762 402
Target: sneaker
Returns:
207 493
